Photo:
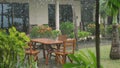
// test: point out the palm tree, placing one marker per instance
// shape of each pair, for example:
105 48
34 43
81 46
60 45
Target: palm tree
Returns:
112 10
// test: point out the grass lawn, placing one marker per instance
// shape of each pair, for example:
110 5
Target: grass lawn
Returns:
105 60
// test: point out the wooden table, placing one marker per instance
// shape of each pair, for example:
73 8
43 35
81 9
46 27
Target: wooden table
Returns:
46 43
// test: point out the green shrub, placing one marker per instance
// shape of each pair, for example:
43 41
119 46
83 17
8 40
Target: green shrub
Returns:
55 34
34 32
44 31
102 29
91 28
12 48
109 30
66 28
82 59
81 34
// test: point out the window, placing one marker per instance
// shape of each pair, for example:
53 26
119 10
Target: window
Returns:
14 14
65 14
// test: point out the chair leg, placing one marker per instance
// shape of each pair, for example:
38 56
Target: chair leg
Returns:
47 58
35 57
58 59
63 59
70 59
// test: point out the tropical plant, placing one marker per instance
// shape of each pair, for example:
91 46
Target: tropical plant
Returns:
91 28
112 8
41 31
66 28
109 30
44 31
82 59
81 34
34 32
12 48
55 33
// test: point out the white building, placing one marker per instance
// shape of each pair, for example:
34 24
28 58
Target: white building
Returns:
38 9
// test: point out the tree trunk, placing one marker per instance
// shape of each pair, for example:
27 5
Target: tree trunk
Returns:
115 49
75 26
97 34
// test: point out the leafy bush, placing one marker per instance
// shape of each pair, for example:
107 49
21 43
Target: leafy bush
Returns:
55 34
44 31
34 32
109 30
91 28
81 34
102 29
12 48
66 28
82 59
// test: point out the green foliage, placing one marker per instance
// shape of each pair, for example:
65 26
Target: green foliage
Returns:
91 28
40 31
12 48
34 32
66 28
82 59
81 34
109 30
44 31
55 34
102 29
102 9
72 35
112 7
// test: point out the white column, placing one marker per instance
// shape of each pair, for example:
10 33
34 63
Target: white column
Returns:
57 14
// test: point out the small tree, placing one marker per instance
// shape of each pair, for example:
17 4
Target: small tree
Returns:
112 10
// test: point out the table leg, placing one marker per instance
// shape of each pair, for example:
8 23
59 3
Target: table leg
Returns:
44 55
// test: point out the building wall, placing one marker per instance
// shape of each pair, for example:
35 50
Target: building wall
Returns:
38 12
78 11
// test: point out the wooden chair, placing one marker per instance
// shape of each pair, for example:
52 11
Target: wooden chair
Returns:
62 37
68 48
31 52
53 48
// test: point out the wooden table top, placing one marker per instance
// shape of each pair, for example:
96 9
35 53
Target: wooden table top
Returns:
46 41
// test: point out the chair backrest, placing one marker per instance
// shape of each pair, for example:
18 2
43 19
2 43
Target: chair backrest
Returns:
30 45
69 46
62 37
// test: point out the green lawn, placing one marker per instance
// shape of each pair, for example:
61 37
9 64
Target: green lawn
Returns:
105 60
